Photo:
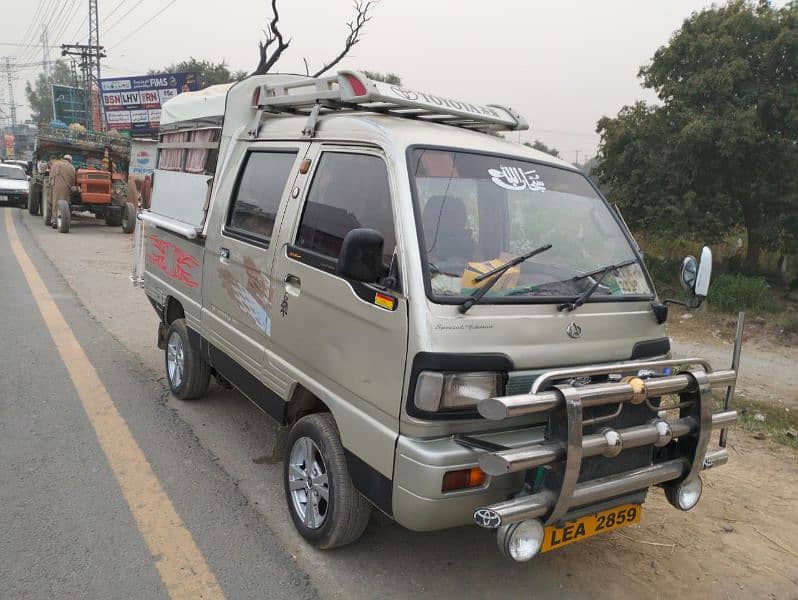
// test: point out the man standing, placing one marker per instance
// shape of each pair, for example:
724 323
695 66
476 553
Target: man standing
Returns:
62 180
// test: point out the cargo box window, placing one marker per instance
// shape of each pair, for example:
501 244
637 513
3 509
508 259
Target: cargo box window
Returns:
259 191
194 151
349 191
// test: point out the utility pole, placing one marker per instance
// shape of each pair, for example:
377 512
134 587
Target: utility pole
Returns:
94 44
46 52
11 77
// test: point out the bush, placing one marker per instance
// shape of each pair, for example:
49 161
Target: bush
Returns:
665 275
731 293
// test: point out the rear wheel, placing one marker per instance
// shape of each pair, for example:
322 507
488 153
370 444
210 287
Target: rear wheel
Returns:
64 216
326 508
35 199
46 214
113 216
189 374
128 218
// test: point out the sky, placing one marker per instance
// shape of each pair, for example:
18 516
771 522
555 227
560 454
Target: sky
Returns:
563 65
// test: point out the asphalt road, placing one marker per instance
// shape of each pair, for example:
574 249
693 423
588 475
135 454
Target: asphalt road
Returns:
66 527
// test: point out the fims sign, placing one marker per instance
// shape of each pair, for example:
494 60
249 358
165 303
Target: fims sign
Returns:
134 103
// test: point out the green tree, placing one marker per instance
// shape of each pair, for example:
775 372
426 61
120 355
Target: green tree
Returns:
538 145
40 92
391 78
722 147
208 72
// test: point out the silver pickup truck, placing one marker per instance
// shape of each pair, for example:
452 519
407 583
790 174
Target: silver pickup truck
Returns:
451 328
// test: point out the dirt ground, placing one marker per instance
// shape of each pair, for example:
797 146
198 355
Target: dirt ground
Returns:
740 542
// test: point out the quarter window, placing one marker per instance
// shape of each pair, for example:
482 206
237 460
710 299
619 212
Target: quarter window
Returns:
259 192
349 191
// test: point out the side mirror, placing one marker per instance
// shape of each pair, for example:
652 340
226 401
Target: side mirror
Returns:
695 276
361 256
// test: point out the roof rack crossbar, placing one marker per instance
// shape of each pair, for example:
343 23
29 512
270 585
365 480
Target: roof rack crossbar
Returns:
352 91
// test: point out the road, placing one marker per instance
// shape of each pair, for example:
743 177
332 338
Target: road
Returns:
714 551
82 515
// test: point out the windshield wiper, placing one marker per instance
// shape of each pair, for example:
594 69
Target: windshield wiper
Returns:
602 272
497 274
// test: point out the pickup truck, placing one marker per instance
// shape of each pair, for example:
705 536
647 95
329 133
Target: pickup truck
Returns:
451 328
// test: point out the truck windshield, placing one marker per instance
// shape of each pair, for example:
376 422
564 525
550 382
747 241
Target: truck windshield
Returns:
11 173
477 211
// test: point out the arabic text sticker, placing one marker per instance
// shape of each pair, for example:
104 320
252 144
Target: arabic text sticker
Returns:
516 179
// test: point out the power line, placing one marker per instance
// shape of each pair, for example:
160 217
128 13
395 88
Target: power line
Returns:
32 24
112 12
27 52
143 25
122 18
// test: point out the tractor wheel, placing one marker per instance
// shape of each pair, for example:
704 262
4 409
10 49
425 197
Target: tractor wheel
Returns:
35 199
63 217
128 218
113 216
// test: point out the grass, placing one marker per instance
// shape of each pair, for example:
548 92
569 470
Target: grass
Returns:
733 292
778 420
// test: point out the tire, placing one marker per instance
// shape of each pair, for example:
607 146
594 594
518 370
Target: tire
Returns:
128 218
35 199
46 214
192 379
63 217
113 216
345 513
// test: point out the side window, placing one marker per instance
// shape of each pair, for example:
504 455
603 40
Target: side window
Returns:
258 194
349 191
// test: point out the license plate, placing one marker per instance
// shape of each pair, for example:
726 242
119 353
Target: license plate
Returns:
590 525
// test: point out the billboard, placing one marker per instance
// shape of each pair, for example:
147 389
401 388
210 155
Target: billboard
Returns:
69 104
134 103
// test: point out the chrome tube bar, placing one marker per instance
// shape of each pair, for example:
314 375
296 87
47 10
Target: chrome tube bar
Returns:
716 458
504 407
738 346
537 505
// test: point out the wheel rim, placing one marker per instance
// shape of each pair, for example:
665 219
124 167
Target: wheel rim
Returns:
175 361
308 483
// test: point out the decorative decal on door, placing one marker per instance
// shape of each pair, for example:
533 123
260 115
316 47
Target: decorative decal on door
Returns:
173 261
253 298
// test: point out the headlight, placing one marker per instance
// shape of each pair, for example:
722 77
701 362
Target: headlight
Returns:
451 391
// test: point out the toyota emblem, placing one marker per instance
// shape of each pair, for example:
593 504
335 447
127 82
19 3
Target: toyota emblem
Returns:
486 517
573 330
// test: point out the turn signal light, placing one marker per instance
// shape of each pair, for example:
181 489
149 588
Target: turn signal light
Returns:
463 479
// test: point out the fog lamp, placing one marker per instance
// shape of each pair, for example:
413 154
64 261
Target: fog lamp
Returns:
685 495
520 541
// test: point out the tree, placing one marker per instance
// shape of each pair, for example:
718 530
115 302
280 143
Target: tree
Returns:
270 55
722 147
40 93
208 72
538 145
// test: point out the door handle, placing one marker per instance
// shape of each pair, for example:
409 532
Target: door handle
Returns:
293 285
224 254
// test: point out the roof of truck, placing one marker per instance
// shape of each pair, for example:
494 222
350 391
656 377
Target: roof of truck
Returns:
190 106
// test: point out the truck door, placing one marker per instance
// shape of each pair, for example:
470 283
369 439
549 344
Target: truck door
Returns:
237 291
348 337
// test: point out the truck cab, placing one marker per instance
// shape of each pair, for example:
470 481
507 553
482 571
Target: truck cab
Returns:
452 328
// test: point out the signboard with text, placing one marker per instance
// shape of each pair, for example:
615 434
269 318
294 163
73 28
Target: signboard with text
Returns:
69 104
134 103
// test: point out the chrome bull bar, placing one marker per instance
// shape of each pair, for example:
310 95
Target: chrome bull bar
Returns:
684 440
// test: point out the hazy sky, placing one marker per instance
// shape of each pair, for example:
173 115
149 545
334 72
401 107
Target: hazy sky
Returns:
561 64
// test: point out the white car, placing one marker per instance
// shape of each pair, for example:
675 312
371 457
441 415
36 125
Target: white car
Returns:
13 185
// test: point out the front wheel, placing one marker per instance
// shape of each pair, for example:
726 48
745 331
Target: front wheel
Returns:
64 216
325 507
128 218
189 374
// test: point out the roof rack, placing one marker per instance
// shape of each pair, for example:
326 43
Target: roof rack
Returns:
353 91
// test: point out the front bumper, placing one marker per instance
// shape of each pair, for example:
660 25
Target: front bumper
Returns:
14 198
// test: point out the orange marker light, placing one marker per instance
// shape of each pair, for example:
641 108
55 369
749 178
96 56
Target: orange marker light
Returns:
463 479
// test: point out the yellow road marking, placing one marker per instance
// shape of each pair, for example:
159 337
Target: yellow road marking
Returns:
183 569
